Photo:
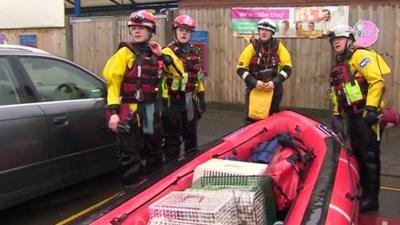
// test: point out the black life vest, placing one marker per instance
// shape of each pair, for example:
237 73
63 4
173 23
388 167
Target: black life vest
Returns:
264 64
191 62
140 83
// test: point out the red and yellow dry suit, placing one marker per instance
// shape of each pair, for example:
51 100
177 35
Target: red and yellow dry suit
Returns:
265 61
183 93
357 85
133 76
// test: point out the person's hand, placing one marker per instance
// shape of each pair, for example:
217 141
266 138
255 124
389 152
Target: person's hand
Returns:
259 85
337 127
155 48
113 122
371 115
269 85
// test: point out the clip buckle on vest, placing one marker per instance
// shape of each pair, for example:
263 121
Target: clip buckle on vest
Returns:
266 70
139 95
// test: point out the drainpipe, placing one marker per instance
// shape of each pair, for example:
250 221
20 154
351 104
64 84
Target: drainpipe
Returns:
77 8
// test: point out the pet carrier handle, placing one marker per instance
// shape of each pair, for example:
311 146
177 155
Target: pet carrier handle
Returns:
195 197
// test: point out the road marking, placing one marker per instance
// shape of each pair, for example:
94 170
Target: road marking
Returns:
73 217
390 189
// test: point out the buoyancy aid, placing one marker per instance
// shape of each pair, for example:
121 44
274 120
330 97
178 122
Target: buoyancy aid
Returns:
140 83
350 89
191 61
264 64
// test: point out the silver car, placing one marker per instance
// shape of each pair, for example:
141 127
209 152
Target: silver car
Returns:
52 127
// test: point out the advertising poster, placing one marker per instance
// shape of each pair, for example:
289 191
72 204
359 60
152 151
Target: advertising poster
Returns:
290 22
200 41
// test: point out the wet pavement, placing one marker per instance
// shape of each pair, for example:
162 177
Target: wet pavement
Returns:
218 121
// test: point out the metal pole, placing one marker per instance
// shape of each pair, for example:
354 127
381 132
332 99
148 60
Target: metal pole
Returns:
77 8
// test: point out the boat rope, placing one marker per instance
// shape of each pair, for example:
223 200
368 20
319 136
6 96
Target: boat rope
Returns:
341 212
355 196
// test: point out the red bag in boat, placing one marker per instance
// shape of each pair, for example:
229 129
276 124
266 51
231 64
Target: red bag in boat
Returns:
285 170
390 119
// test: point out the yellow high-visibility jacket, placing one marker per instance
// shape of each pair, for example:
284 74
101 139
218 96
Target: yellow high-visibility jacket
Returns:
113 73
372 68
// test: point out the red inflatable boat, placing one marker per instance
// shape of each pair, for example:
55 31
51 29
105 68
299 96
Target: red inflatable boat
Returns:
328 193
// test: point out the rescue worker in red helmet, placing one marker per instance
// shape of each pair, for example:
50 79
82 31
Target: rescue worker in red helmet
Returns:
264 64
357 88
133 75
183 90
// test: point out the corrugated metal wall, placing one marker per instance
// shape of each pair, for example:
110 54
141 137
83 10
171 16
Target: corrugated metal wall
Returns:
311 57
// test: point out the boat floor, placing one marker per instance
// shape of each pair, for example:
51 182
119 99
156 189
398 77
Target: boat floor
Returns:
229 119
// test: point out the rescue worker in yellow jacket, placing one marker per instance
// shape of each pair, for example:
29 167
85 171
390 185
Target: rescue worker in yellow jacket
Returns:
263 65
357 88
183 90
133 75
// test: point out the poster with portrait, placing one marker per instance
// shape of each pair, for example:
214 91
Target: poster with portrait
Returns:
290 22
314 22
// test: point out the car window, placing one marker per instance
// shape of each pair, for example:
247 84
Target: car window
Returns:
9 93
57 80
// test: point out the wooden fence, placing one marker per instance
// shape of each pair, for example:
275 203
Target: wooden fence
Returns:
307 87
93 41
52 40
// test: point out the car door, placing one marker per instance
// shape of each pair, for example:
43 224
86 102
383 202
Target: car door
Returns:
25 165
73 101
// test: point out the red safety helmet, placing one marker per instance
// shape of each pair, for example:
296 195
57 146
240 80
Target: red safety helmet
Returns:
143 18
184 21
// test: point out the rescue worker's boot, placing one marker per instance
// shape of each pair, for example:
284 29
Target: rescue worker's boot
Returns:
369 199
153 152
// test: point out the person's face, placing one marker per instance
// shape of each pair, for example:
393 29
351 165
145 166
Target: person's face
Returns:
265 34
183 35
339 44
326 15
284 27
311 26
139 33
298 26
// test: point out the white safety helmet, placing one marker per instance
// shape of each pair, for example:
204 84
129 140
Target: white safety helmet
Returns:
341 31
267 24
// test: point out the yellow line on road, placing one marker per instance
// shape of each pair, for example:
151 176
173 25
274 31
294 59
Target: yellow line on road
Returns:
73 217
390 189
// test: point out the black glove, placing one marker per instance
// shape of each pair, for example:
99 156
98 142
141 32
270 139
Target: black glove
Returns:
278 79
371 115
337 127
202 102
123 127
